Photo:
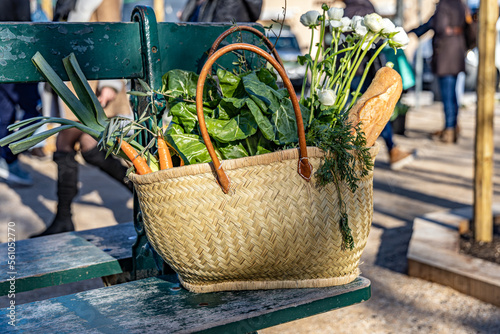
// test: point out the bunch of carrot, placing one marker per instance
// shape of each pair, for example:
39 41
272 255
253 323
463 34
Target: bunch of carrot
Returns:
140 164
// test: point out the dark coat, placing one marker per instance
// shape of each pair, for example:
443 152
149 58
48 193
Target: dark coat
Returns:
448 43
222 11
15 10
358 7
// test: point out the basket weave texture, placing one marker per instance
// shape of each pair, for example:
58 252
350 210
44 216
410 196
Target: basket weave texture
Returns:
272 230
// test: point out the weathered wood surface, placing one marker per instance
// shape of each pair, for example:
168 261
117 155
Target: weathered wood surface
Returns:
65 258
106 50
484 146
155 305
444 264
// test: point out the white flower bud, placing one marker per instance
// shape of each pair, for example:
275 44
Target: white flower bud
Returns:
373 22
327 97
387 26
310 19
400 40
335 13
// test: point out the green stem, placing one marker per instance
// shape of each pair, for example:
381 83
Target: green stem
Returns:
354 69
304 83
365 73
315 79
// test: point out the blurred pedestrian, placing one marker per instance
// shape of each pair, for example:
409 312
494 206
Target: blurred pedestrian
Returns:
448 59
112 96
221 11
12 97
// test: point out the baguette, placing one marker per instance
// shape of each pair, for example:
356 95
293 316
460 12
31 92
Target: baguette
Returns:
375 107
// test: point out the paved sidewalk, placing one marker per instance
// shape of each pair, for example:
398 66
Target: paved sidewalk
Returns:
441 178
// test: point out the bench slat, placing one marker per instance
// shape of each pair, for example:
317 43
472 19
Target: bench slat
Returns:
103 50
55 260
160 306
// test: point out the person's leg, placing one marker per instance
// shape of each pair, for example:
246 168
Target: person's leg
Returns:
67 182
110 165
8 96
386 134
447 85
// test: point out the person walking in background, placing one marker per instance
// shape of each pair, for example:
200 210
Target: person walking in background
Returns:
221 11
14 96
448 59
112 96
398 158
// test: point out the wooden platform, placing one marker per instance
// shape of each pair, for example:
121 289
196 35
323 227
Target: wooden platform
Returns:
160 305
434 255
69 257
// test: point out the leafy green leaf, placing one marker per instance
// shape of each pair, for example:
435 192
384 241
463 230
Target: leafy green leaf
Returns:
230 84
237 128
265 125
284 121
268 77
185 115
191 148
232 150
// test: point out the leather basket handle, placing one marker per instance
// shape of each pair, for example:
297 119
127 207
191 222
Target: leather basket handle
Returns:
304 167
256 32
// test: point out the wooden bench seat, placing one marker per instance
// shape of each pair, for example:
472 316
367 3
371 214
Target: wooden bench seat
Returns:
69 257
160 305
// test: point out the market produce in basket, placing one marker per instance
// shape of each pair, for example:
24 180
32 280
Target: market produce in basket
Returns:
235 115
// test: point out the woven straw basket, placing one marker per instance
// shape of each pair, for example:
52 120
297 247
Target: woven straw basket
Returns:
268 228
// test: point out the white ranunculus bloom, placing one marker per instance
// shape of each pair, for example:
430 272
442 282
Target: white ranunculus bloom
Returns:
310 19
335 24
335 13
359 27
400 40
346 24
355 19
326 97
387 26
373 22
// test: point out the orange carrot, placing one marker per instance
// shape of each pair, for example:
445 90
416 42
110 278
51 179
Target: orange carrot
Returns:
140 164
182 161
164 153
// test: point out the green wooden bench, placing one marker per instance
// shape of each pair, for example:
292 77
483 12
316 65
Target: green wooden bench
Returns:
141 49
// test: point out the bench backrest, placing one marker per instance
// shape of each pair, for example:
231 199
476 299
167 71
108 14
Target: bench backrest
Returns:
141 49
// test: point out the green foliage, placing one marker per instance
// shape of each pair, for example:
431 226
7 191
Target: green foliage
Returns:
346 161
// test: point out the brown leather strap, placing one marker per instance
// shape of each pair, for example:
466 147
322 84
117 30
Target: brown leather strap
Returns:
256 32
304 167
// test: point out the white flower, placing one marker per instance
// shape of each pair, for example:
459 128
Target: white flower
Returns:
335 13
373 22
354 21
358 26
346 24
310 19
326 97
400 40
335 24
387 26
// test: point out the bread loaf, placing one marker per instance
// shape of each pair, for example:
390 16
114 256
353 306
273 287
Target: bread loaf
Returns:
374 108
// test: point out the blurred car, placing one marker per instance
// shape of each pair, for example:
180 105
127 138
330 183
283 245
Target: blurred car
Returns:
288 49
